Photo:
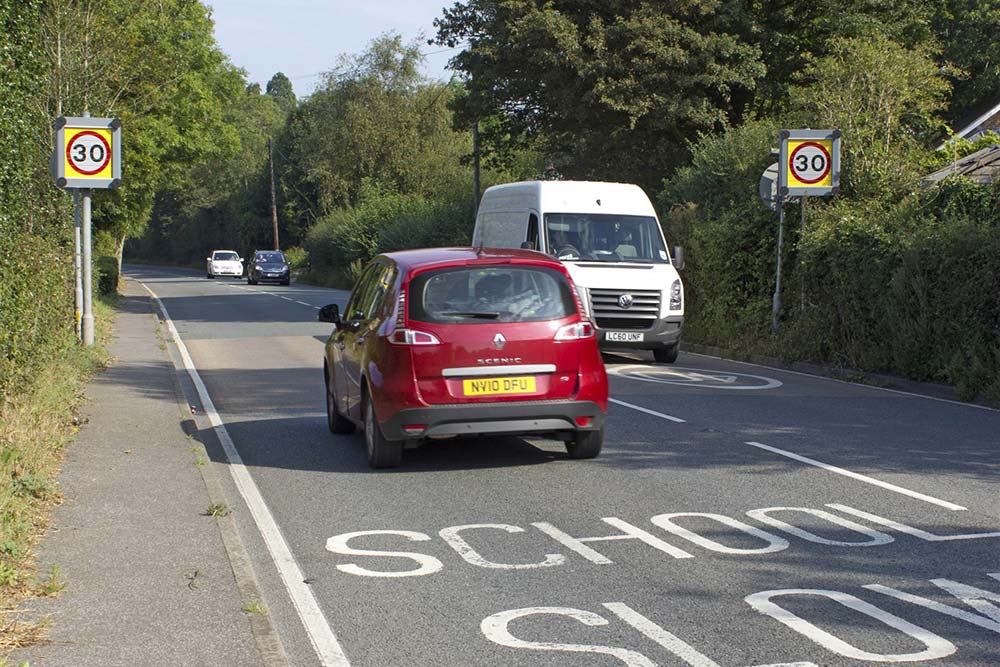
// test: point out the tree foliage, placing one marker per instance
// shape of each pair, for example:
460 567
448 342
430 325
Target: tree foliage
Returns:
602 87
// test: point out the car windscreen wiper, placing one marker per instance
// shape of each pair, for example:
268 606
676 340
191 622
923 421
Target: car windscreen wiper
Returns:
483 315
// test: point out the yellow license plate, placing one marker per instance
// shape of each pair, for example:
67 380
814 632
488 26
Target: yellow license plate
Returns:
495 386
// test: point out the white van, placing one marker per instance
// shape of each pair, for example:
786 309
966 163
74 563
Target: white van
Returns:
609 238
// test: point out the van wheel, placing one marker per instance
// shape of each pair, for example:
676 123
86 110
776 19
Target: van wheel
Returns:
586 444
381 452
335 421
666 355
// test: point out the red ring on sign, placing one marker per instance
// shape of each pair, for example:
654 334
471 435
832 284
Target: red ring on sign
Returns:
107 153
808 181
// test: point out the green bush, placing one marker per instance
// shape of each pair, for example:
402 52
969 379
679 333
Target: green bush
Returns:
905 286
106 274
297 257
384 222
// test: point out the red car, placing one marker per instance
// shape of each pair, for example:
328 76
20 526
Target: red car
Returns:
463 342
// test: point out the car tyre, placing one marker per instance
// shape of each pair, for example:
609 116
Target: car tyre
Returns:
251 281
209 276
382 453
666 355
586 444
336 422
285 282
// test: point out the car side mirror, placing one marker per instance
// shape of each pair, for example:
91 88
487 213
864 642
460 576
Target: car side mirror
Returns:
678 257
241 260
329 313
208 259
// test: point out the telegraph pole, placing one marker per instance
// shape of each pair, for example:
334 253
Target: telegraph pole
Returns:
274 205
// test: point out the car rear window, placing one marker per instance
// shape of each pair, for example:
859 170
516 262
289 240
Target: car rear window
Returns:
466 295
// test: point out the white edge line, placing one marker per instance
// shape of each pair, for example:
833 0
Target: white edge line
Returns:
323 639
647 411
862 478
853 384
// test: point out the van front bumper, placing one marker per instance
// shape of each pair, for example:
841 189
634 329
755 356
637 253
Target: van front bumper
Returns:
665 332
508 418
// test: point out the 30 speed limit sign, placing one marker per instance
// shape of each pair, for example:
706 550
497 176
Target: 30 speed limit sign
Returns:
87 153
811 162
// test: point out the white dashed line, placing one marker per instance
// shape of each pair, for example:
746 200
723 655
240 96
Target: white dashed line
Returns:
861 478
647 411
303 303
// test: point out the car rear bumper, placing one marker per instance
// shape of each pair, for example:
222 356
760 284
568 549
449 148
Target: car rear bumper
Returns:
665 332
495 419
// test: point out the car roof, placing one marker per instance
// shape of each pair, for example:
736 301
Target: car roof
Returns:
410 261
232 251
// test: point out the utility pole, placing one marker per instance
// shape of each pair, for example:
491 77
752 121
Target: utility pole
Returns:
475 168
274 205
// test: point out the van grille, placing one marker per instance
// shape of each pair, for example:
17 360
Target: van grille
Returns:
608 314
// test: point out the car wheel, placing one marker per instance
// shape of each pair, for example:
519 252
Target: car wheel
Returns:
666 355
336 422
586 444
381 452
209 276
285 282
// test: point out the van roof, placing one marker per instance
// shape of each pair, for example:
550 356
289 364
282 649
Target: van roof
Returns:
425 258
575 197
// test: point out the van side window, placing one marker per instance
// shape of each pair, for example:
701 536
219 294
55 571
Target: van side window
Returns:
532 236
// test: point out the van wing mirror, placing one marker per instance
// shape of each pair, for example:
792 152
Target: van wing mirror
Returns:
329 313
678 257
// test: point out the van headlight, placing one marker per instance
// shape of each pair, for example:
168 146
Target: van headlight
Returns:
676 300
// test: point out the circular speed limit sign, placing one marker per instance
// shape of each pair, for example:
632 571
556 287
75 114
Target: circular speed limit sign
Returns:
810 162
88 153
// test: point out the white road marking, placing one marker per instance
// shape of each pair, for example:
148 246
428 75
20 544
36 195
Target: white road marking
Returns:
935 646
691 377
646 410
287 298
861 478
323 639
667 640
303 303
853 384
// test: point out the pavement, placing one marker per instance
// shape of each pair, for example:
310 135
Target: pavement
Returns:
152 578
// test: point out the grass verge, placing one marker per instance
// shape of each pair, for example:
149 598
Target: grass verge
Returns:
35 428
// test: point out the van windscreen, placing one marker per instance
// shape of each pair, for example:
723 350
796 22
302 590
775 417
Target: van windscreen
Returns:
605 238
466 295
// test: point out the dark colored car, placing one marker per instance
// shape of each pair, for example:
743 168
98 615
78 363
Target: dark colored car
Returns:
268 265
448 342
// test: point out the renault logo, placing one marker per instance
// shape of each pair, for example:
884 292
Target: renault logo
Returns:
499 341
625 301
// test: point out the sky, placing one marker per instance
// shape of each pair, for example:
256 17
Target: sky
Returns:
303 38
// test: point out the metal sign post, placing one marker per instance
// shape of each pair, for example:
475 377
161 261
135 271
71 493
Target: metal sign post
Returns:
77 275
808 165
86 155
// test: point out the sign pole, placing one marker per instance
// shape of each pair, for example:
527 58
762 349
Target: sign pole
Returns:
88 305
802 278
78 278
776 300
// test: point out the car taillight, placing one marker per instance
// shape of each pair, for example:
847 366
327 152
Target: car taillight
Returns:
576 331
412 337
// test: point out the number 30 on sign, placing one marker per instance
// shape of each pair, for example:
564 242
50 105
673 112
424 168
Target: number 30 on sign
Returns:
87 153
811 161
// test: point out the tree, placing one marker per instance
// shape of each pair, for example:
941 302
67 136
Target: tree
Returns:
280 89
886 99
374 120
605 89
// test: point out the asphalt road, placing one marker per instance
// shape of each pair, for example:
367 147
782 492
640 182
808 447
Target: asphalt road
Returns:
860 527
